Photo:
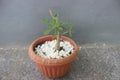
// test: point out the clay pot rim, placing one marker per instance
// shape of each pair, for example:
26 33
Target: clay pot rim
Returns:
46 61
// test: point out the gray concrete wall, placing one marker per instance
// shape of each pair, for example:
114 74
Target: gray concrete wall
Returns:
94 20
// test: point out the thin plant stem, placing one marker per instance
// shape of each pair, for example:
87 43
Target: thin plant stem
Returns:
57 46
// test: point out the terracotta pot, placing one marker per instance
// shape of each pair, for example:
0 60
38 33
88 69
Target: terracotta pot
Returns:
52 68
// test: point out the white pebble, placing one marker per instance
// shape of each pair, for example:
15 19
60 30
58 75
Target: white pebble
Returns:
49 49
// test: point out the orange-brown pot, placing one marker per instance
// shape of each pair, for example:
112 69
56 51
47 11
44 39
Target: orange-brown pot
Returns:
52 68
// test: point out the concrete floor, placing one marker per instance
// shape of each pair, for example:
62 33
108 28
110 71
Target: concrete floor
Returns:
95 62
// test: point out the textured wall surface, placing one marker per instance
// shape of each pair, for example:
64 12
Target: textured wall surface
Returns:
94 20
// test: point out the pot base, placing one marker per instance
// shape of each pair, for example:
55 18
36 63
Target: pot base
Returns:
54 71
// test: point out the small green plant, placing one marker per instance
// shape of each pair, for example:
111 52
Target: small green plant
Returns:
57 28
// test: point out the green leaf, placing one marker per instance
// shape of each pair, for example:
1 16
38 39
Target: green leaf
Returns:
56 15
48 30
46 20
55 32
55 18
70 30
70 33
60 28
55 25
63 23
64 28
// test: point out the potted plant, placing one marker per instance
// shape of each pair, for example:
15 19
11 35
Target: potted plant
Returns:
54 54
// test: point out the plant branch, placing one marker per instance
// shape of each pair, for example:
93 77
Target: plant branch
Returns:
51 14
65 32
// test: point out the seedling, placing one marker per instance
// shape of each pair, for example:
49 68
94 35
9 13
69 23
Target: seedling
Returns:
57 28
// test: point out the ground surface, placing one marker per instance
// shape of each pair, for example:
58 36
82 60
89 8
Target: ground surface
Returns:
95 62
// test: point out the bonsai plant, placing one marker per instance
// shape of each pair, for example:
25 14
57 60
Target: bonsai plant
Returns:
46 51
57 28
